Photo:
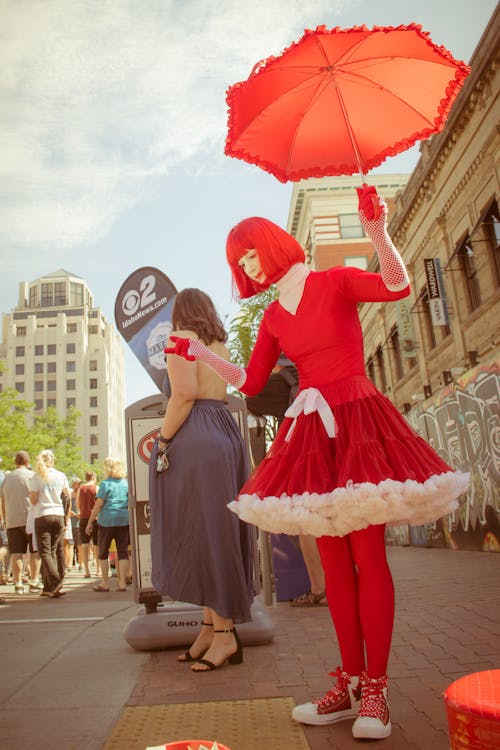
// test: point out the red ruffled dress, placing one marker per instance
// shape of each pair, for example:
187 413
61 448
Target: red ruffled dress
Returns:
344 458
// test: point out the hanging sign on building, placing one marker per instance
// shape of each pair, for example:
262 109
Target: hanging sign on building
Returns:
143 316
437 297
405 329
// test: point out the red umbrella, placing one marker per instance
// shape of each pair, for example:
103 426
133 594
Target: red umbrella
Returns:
341 101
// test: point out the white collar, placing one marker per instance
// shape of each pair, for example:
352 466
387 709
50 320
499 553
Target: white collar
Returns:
291 287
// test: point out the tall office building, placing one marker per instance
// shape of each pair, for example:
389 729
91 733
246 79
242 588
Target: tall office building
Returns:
59 350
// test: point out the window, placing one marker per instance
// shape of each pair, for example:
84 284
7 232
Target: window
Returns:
75 293
371 370
51 349
38 350
93 383
38 404
93 365
356 261
38 385
469 275
379 356
70 348
47 294
94 440
53 294
350 226
93 402
51 385
93 329
94 457
19 369
71 328
34 296
21 330
51 367
491 225
19 387
38 368
93 420
71 366
396 353
19 351
71 385
70 402
51 402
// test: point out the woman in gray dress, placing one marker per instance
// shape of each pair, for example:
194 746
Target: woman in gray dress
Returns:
201 552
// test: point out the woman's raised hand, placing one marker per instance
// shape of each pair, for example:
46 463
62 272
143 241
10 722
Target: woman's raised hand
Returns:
181 348
192 349
369 203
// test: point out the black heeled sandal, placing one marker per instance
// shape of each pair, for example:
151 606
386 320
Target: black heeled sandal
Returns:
236 658
186 657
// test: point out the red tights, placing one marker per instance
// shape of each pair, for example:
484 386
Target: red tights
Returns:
360 595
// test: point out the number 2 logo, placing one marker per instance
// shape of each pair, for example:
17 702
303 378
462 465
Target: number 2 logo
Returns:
132 300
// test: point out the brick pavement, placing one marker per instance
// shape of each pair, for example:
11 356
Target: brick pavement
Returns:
447 625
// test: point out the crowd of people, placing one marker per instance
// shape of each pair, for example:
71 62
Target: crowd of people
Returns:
49 526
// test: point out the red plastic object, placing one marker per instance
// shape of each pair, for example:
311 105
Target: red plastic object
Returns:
473 709
194 745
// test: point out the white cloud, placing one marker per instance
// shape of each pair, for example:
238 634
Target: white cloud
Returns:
98 97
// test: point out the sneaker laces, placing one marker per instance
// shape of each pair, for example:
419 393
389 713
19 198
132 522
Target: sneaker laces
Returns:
338 691
373 700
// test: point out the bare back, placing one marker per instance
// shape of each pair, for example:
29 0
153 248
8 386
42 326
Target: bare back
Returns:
209 384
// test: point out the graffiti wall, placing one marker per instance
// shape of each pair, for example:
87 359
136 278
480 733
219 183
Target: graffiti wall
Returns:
462 423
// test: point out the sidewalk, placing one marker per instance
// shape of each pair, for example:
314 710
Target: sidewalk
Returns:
65 681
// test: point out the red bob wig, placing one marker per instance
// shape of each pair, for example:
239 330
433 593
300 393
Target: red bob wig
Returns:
277 251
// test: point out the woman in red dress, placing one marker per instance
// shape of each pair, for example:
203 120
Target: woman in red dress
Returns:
344 461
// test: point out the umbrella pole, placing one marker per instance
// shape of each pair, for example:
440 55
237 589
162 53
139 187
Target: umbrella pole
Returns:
351 136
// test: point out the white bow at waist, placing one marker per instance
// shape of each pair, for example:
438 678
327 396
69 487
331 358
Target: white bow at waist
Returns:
308 401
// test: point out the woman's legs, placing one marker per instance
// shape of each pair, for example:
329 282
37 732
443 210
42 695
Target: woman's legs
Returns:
341 585
203 639
49 534
360 595
121 536
376 596
223 644
105 536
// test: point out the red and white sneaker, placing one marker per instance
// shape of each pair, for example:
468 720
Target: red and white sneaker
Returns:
373 722
341 702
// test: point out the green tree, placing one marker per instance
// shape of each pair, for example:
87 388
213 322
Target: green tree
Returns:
242 334
14 429
245 325
21 430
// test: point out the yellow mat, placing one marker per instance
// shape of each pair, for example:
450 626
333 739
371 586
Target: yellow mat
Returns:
260 724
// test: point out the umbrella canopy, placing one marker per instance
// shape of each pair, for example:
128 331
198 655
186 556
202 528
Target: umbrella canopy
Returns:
341 101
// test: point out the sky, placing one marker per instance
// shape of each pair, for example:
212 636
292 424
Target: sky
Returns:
112 127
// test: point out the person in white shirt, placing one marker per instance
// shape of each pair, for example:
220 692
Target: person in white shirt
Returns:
48 488
15 494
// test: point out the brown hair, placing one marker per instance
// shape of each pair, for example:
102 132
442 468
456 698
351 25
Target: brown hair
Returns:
22 458
194 311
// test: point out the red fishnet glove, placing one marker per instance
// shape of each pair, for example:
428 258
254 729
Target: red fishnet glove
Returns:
191 349
373 215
